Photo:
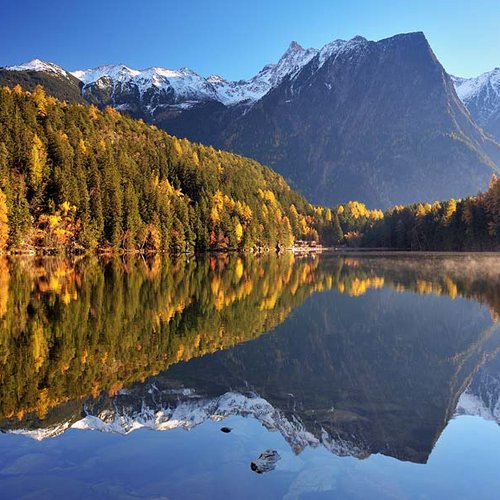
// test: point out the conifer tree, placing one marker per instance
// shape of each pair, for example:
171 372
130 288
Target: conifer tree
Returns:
337 230
4 222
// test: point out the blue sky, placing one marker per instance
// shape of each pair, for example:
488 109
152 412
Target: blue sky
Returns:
236 38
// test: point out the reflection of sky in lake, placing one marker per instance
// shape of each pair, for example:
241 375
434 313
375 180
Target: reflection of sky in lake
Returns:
206 463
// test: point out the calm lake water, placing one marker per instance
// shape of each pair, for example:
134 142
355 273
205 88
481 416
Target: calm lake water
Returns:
358 376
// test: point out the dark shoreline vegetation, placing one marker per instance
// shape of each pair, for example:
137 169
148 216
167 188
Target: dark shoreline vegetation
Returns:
470 224
74 179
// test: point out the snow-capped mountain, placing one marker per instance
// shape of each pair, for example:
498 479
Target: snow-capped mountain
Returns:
481 96
187 409
40 66
55 80
252 90
184 88
149 91
471 404
125 88
155 89
482 397
365 120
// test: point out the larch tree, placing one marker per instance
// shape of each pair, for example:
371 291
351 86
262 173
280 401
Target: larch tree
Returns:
4 222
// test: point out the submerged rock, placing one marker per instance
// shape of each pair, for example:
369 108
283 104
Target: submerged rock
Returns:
266 461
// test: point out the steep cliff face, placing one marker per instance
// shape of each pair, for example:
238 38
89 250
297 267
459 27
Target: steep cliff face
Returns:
375 121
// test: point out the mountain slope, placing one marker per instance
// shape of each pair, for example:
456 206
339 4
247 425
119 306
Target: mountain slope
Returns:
77 177
375 121
481 96
53 78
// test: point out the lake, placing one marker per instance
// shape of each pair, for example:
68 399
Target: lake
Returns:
243 376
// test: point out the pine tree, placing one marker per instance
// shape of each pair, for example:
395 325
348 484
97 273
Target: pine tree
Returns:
337 230
4 222
131 219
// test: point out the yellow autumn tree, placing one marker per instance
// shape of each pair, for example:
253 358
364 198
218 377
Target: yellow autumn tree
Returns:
82 147
37 161
4 222
40 100
238 231
422 209
451 208
177 146
196 159
93 113
357 209
4 286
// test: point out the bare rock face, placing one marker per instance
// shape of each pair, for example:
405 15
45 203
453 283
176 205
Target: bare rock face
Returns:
266 462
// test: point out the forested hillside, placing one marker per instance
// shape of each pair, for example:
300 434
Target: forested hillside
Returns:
74 177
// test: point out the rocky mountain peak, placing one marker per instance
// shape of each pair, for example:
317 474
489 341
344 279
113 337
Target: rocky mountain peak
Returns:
481 96
39 66
294 47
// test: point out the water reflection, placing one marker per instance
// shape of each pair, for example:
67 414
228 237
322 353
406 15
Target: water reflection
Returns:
374 364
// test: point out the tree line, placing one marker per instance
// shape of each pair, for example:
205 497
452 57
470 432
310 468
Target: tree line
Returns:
469 224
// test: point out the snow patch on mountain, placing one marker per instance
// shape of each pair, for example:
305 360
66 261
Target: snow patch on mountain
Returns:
43 433
468 88
473 405
480 94
292 61
337 47
118 72
482 397
38 65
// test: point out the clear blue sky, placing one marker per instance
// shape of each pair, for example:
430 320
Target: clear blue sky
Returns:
236 38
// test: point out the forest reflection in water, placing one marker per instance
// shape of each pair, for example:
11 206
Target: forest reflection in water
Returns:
377 363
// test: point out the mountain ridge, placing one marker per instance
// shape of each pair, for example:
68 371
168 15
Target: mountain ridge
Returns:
481 96
377 121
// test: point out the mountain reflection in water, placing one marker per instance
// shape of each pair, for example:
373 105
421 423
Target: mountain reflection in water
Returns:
378 362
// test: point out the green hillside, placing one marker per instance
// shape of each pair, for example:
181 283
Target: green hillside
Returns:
73 177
